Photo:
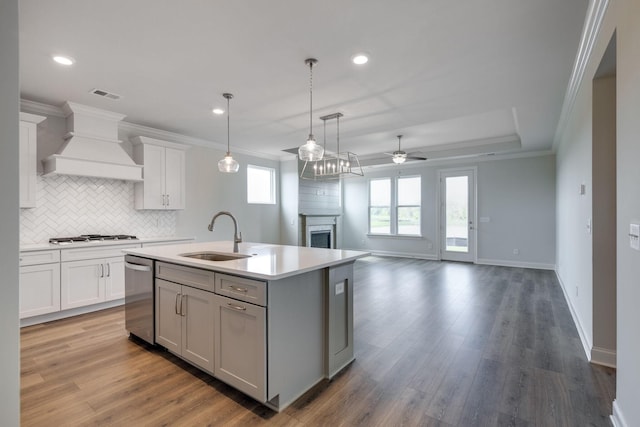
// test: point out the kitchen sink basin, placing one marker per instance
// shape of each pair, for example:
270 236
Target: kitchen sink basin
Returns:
215 256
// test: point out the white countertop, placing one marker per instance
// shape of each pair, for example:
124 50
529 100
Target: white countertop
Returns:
267 262
50 246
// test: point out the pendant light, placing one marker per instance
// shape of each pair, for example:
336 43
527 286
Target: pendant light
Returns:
228 164
310 151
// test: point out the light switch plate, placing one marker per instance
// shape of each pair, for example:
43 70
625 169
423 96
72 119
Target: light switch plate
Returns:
634 236
339 288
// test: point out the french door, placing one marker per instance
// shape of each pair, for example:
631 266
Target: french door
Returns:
458 215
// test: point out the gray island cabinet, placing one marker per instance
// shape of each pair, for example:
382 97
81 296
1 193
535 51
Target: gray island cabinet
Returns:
271 324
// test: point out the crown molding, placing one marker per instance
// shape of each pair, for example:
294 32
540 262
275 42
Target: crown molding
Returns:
140 130
592 25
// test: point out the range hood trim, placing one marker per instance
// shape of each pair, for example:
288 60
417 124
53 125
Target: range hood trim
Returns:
57 164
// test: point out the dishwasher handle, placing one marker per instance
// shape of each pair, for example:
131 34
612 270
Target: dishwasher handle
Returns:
137 267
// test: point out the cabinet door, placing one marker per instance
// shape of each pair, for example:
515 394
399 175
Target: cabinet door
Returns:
114 278
168 318
174 178
198 327
39 289
240 346
154 173
82 283
28 142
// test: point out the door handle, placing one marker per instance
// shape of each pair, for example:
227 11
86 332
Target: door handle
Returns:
137 267
182 312
108 270
176 307
101 274
168 200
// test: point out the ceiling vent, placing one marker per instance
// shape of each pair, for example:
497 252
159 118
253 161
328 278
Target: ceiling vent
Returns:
105 94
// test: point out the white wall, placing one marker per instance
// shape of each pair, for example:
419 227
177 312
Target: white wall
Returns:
289 218
9 323
517 194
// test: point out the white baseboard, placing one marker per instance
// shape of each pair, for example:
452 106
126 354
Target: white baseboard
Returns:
617 419
68 313
520 264
584 337
404 255
603 356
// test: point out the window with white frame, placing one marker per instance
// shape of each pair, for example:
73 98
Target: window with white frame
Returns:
261 185
395 206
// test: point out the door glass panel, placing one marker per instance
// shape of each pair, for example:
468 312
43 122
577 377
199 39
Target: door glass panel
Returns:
457 214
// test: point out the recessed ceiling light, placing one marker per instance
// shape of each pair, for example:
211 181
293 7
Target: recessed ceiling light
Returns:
63 60
360 59
218 111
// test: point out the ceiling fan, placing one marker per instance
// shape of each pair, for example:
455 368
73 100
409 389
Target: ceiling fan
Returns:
399 156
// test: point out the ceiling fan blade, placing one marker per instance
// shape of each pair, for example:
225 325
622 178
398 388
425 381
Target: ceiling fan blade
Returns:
416 158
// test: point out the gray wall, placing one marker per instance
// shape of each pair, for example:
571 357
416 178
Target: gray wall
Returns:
209 191
628 177
574 165
517 194
9 226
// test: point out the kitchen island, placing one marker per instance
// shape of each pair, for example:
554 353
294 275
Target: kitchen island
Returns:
272 321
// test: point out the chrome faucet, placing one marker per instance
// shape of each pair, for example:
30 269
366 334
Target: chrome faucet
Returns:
237 237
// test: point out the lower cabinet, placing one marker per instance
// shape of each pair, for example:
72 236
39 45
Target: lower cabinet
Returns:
91 281
39 289
240 346
184 322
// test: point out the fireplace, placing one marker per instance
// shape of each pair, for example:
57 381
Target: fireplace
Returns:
319 231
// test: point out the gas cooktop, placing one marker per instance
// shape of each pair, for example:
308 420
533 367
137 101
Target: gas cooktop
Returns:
90 238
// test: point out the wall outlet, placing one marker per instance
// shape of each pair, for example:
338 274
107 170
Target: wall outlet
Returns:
516 251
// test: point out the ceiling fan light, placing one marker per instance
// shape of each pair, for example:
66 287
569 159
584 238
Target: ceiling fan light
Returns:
228 164
398 158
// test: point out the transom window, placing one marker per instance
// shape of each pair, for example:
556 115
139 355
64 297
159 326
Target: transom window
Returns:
395 205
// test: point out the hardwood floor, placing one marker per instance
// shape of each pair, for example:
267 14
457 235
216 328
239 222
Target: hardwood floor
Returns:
437 344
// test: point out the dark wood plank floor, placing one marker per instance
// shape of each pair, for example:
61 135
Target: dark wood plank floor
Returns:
437 344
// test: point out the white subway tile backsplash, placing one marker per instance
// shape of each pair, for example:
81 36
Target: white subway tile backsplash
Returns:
74 205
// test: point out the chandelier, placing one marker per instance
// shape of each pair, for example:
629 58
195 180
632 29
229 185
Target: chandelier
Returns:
332 166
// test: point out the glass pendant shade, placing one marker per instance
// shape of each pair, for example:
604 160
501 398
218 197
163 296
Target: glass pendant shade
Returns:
310 151
228 164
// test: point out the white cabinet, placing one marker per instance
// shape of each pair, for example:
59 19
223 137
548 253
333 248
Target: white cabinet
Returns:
184 322
163 186
28 158
240 346
39 283
91 281
92 275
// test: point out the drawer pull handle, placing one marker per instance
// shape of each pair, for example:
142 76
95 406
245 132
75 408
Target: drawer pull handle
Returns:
238 289
236 307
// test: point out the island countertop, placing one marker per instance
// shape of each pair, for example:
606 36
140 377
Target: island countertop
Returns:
266 261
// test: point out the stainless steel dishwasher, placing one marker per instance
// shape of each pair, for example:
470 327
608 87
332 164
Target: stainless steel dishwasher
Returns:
138 297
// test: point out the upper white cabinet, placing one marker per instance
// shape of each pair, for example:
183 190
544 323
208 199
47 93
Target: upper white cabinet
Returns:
164 174
28 158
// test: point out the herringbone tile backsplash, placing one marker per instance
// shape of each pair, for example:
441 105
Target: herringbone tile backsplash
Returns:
73 205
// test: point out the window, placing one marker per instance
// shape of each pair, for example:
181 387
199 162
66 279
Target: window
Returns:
380 206
261 185
395 205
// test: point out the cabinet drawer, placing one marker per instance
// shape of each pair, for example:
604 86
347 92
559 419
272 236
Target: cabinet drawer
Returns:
196 277
249 290
39 257
95 252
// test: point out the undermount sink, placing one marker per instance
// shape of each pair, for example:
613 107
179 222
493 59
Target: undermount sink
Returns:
215 256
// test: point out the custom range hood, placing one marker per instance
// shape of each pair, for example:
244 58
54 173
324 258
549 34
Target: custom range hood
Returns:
91 147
